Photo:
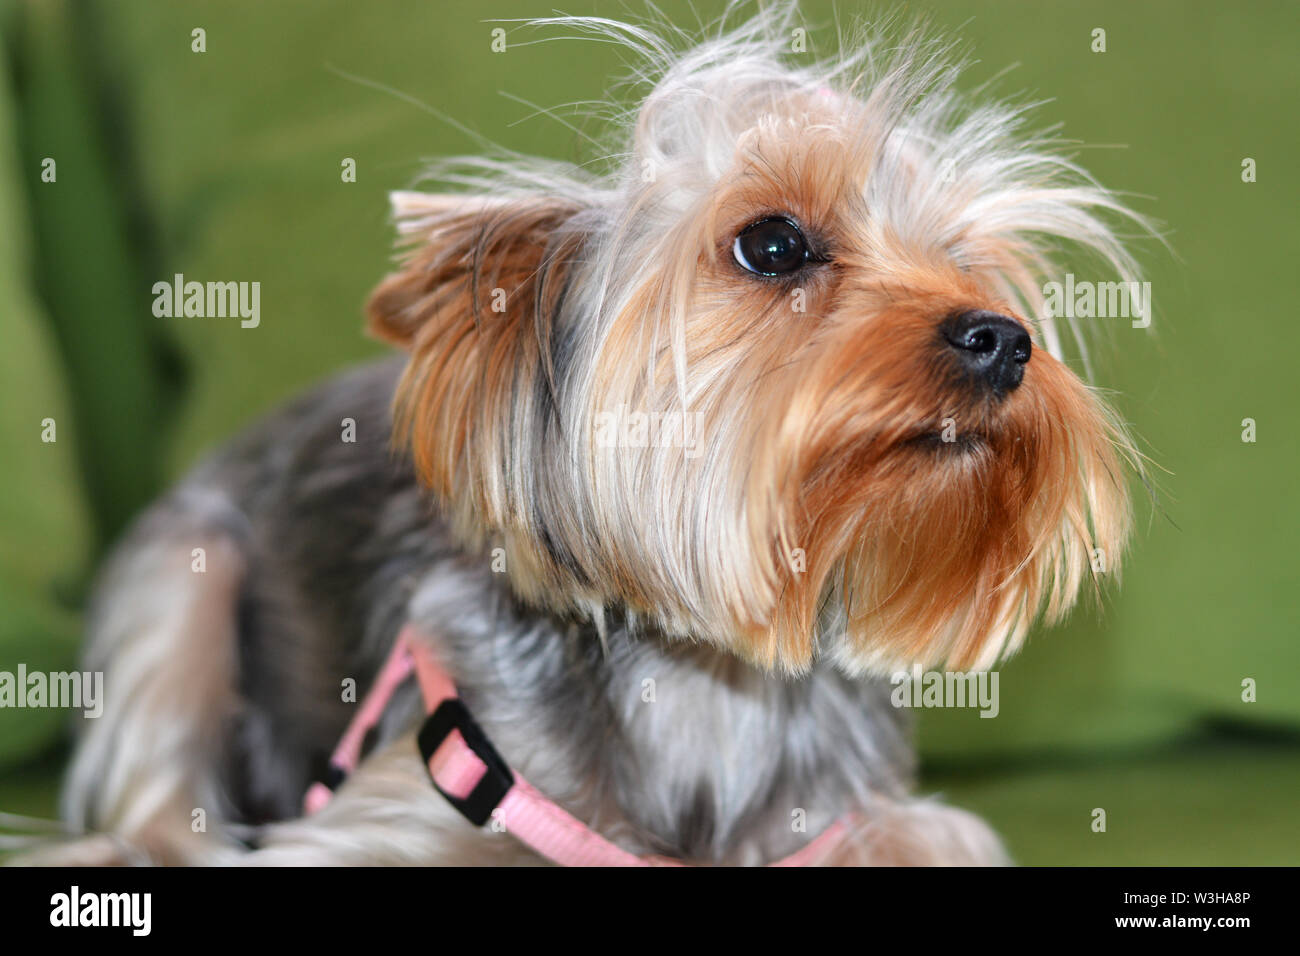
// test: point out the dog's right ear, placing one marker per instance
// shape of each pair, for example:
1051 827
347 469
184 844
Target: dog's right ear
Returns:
467 254
474 303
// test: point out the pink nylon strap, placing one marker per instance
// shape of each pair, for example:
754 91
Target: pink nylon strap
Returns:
523 812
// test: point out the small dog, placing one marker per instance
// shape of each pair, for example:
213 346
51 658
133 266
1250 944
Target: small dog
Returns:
684 461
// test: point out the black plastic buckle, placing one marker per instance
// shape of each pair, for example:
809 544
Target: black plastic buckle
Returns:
496 781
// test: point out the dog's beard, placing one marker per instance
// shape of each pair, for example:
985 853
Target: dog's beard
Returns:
935 524
836 488
929 551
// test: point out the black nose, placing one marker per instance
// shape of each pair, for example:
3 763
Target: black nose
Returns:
990 347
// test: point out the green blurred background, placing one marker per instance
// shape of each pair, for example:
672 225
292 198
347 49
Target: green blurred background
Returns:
225 165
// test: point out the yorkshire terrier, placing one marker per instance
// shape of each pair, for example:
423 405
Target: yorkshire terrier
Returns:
684 459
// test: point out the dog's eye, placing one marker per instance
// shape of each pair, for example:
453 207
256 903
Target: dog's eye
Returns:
771 247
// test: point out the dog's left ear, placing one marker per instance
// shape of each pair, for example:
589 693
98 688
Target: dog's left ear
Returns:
475 304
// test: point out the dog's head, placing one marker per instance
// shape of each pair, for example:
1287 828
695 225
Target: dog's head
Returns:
779 381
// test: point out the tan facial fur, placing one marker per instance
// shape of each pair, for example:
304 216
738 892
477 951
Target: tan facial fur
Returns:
821 511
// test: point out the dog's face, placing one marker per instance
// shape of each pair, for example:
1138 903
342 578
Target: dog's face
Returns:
772 385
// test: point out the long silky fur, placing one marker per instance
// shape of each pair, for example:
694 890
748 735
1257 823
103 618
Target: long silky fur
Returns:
819 534
619 293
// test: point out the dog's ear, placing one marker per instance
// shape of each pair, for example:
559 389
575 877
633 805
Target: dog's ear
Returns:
475 303
470 255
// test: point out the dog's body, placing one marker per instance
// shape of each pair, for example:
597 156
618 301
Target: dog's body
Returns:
683 647
331 547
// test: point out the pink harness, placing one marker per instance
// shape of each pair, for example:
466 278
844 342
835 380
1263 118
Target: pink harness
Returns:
467 770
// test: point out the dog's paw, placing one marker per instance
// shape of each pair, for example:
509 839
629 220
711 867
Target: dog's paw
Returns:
921 833
100 849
